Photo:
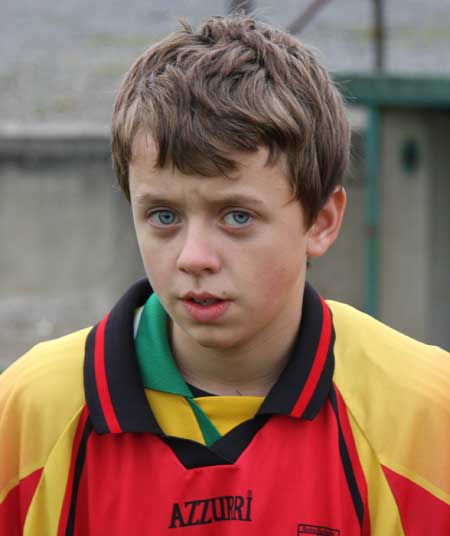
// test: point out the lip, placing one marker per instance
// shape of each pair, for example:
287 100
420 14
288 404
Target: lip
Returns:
200 296
204 313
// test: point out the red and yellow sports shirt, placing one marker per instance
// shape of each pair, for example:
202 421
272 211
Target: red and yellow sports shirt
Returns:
100 435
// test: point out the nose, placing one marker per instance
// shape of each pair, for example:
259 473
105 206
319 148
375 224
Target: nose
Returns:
198 253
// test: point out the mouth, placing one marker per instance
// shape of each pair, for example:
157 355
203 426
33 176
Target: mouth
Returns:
202 298
208 301
205 307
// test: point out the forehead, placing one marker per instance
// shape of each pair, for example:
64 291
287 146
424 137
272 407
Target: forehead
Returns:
253 175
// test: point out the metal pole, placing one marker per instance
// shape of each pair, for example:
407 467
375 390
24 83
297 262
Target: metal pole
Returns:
379 34
240 5
298 24
372 211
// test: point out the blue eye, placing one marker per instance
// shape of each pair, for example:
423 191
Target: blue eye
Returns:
163 218
238 218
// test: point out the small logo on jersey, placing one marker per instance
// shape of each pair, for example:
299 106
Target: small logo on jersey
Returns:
303 530
206 511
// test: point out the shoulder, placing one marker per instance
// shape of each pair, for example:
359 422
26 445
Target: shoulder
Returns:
51 371
368 350
397 392
39 395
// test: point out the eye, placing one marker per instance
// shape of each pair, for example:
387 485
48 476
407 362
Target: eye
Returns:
163 218
238 218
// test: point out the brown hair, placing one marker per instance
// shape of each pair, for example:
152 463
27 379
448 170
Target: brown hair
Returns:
235 85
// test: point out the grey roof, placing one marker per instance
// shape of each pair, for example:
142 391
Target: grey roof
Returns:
63 60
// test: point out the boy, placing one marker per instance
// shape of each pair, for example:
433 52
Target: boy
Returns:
228 397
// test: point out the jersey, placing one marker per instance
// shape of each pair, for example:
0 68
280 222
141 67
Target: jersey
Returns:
353 438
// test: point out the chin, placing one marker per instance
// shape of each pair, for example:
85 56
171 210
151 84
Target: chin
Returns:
208 337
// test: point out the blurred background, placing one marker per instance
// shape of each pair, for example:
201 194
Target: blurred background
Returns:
67 245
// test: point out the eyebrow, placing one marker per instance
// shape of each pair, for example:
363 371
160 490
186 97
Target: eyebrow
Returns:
231 199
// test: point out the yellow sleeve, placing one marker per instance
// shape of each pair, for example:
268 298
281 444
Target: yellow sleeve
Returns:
397 391
39 394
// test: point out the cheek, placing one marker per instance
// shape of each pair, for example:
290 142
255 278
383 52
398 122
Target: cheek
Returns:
272 277
156 261
280 278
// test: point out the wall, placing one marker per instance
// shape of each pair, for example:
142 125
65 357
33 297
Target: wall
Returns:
68 248
415 224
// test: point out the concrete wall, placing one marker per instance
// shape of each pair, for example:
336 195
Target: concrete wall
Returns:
415 223
439 253
67 243
68 247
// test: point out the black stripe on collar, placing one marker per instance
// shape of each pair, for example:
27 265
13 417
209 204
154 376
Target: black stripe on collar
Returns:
306 381
114 392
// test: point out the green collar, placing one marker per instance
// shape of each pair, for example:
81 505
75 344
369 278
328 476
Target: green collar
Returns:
157 365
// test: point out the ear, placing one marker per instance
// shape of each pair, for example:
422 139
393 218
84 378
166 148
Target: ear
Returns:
327 225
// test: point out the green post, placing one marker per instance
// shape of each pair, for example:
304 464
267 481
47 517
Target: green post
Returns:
372 210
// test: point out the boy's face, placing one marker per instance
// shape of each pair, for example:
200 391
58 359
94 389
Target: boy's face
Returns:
240 244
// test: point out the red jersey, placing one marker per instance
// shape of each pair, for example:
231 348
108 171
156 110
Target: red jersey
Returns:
353 439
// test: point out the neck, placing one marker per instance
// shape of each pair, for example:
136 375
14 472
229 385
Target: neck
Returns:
249 369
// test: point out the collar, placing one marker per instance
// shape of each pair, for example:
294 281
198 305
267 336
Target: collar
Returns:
154 355
114 389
